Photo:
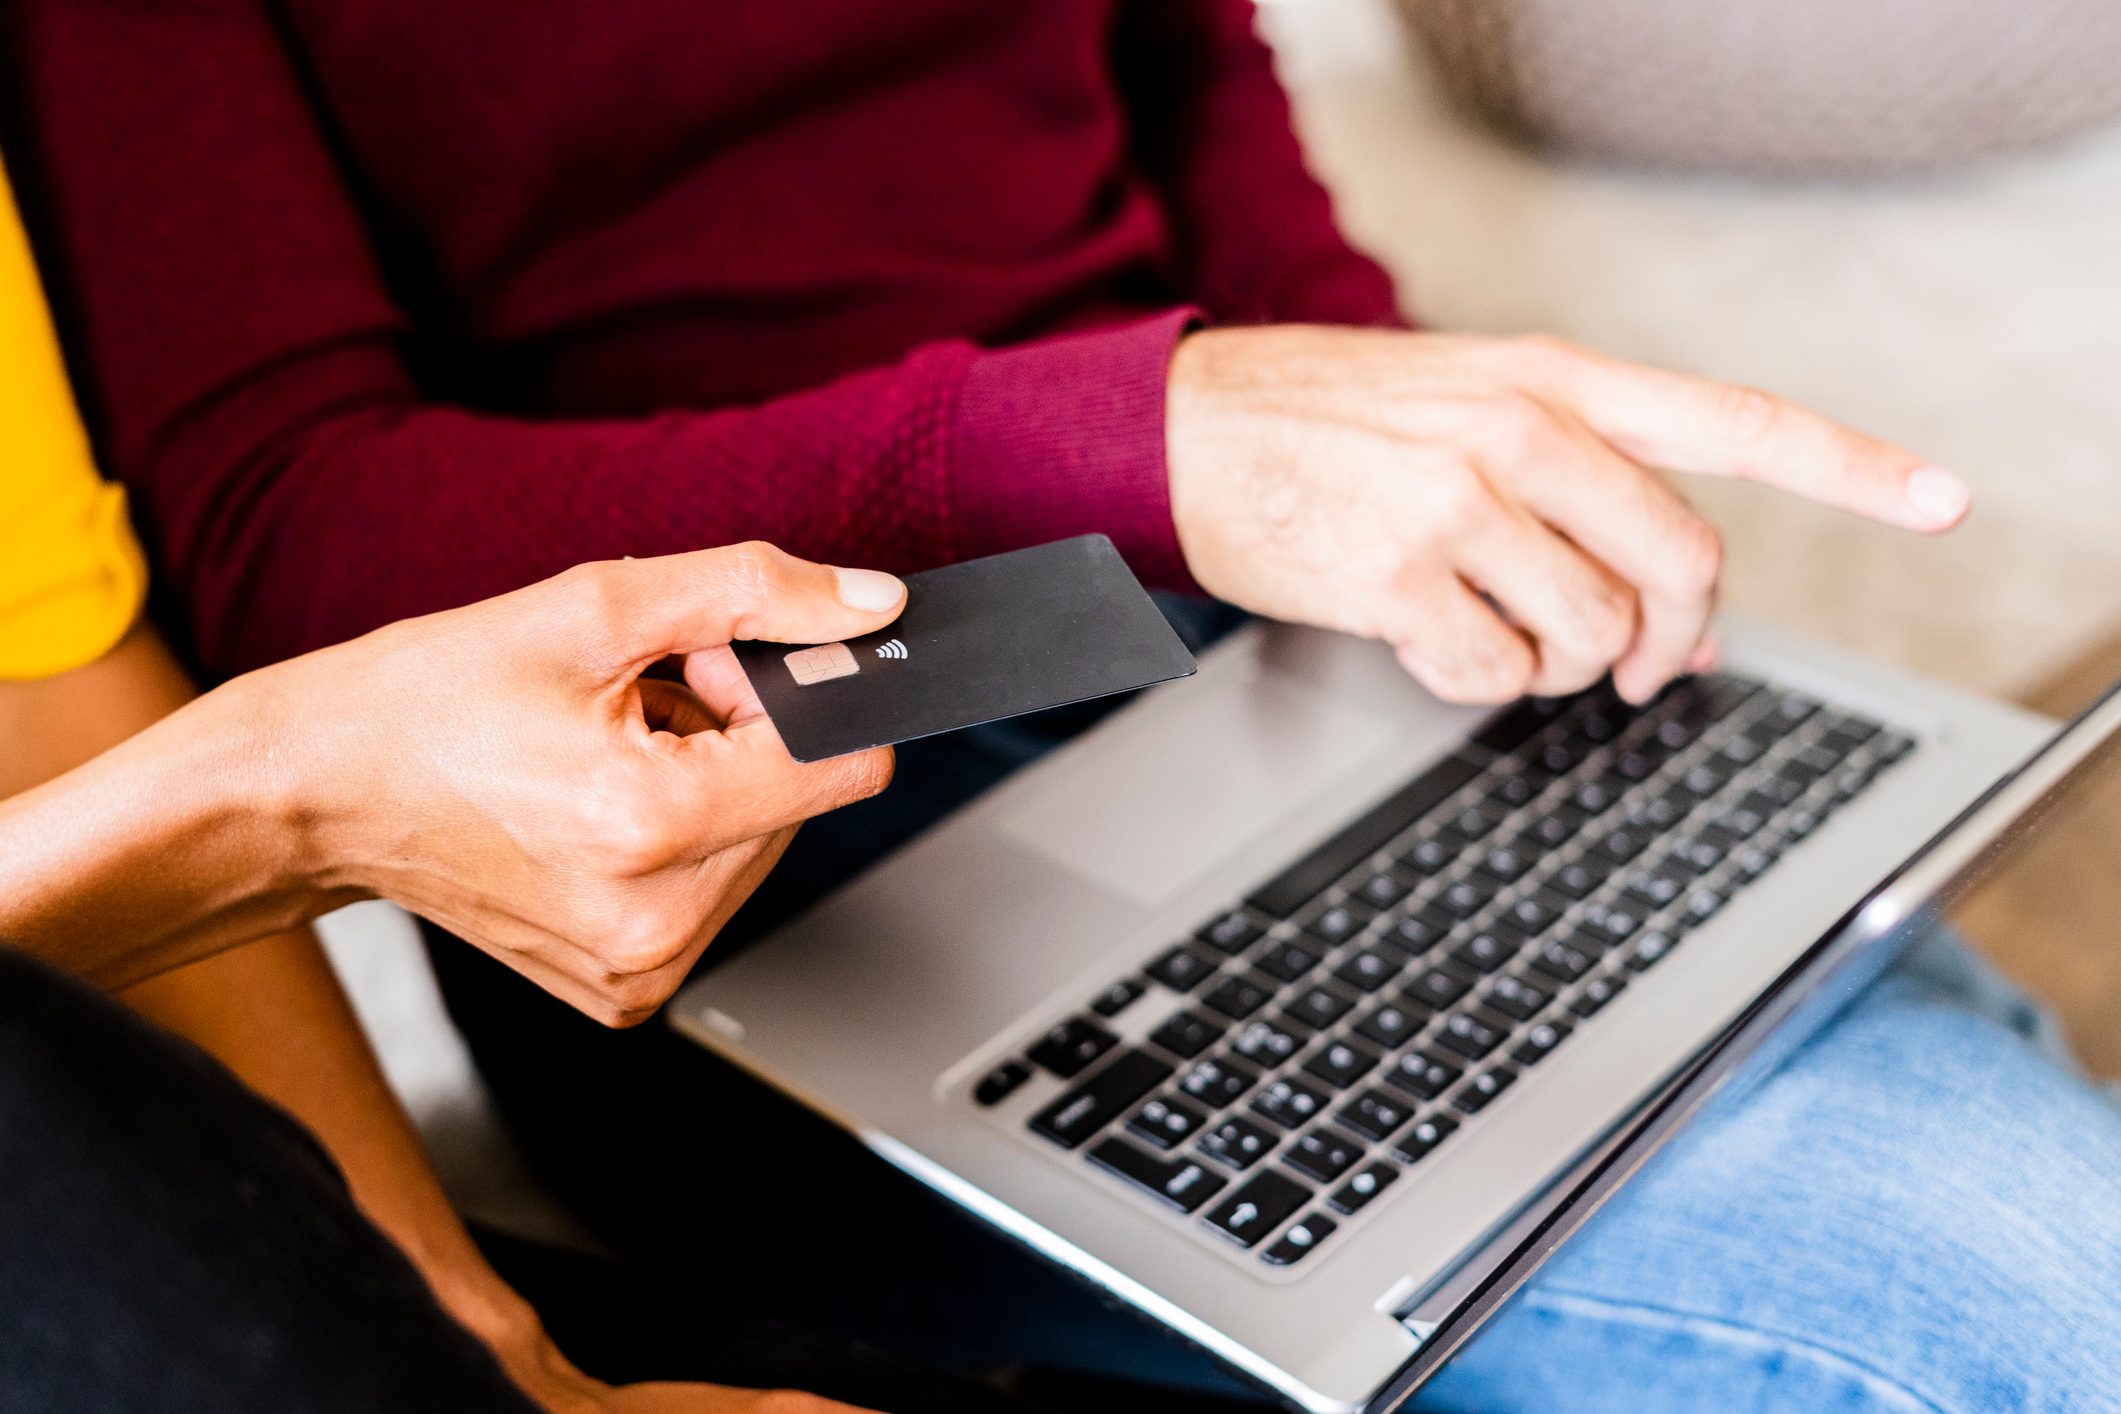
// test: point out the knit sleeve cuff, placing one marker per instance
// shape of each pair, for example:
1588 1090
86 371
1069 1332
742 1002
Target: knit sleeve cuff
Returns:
1066 436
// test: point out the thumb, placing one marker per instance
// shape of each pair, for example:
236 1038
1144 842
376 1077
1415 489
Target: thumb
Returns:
673 604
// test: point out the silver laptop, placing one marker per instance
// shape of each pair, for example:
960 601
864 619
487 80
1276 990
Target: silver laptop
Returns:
1307 1014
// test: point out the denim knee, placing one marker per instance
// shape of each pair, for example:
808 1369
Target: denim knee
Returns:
1917 1210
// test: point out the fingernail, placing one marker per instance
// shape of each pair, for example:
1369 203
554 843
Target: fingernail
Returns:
1940 496
871 591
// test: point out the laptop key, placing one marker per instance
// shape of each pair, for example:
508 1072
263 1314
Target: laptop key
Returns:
1371 968
1415 1144
1095 1103
1596 993
1557 826
1386 887
1236 997
1622 845
1182 969
1416 933
1285 961
1469 1036
1323 1154
1290 1102
1390 1025
1699 853
1433 854
1299 1241
1513 726
1539 1042
1069 1048
1266 1044
1232 933
1515 791
1517 999
1477 821
1486 951
1534 914
1655 887
1464 898
1613 923
1186 1034
1117 997
1793 709
1166 1123
1310 876
1355 1195
1561 962
1217 1083
1238 1142
1182 1183
1704 904
1422 1076
1000 1083
1576 881
1264 1203
1753 860
1649 950
1476 1094
1506 863
1320 1007
1335 925
1341 1063
1375 1114
1438 988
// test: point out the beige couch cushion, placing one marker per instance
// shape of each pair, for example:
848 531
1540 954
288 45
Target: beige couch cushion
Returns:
1790 86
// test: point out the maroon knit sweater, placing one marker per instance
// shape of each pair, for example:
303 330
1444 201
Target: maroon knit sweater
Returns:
383 307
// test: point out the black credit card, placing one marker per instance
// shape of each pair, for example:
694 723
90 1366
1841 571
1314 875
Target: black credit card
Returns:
977 642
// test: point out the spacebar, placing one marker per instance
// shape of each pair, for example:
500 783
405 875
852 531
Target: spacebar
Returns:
1302 881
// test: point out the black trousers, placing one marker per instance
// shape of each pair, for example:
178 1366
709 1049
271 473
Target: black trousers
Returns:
168 1241
171 1242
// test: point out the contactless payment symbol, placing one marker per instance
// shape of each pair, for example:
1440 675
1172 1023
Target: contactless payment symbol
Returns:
823 663
893 649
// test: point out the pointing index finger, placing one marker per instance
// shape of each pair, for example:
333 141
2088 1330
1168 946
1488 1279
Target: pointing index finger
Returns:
1690 424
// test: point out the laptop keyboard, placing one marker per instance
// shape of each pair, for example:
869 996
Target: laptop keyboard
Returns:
1346 1019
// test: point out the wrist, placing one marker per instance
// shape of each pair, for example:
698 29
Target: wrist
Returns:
161 851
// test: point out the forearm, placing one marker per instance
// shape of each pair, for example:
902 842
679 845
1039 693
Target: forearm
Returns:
171 846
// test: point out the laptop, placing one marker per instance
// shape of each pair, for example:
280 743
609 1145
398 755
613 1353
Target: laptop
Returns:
1308 1014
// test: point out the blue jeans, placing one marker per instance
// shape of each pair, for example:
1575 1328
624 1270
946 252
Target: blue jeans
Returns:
1919 1210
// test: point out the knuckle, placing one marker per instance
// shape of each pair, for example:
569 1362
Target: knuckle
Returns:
1463 501
1694 563
1746 415
1544 353
629 843
1608 625
1521 428
643 945
1493 669
747 567
593 590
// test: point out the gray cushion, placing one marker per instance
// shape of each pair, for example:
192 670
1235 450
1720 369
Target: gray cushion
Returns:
1789 86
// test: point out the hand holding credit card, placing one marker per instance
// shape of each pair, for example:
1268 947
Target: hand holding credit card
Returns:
977 642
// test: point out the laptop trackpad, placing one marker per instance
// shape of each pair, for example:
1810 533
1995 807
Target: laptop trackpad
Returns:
1158 797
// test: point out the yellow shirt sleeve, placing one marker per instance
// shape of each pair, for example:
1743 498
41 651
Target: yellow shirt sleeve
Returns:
72 577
